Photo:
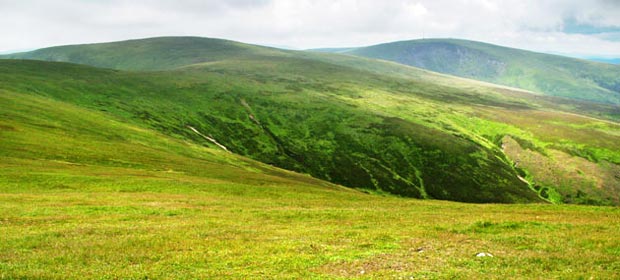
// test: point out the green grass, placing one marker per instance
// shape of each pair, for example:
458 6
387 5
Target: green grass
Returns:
193 228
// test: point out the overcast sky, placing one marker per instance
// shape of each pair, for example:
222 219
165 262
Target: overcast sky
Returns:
576 27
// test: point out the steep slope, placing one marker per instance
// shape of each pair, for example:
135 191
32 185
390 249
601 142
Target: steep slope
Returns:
548 74
289 123
59 146
358 122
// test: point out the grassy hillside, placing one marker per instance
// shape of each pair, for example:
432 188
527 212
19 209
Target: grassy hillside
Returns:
45 142
103 176
167 53
84 194
147 54
367 124
278 123
547 74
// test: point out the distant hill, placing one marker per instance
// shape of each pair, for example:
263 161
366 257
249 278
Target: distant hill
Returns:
147 54
363 123
547 74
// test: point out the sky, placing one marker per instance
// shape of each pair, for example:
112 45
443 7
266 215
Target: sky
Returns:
570 27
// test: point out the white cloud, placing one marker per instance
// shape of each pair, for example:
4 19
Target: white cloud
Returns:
529 24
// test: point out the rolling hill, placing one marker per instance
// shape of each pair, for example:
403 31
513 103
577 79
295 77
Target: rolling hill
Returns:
148 54
362 123
542 73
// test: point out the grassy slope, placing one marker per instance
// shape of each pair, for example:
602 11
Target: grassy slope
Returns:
42 137
317 113
328 133
86 195
548 74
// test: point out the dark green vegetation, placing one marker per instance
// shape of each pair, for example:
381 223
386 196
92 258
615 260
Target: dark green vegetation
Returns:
285 126
352 121
543 73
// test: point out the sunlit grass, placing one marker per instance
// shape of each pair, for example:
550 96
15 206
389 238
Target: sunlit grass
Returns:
193 228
